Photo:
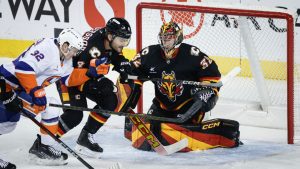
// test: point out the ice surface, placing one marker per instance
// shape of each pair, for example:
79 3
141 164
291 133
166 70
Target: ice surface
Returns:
263 148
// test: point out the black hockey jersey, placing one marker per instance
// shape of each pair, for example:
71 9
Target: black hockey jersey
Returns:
188 64
94 39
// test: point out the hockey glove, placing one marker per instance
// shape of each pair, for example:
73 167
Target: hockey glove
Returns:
207 95
38 95
101 86
98 67
124 68
2 85
11 102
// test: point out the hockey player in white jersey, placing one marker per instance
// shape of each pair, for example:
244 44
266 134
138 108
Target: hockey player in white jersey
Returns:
22 90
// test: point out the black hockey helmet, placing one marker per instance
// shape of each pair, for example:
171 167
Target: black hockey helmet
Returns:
118 27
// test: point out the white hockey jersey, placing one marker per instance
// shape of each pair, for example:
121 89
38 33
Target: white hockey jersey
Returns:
37 66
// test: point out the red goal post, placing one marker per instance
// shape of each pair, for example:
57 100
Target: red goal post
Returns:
255 63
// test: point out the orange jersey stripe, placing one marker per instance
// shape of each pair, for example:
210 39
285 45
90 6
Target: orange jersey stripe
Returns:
98 118
52 128
27 81
78 77
214 79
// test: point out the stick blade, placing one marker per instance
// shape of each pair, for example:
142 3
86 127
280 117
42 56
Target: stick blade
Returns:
173 148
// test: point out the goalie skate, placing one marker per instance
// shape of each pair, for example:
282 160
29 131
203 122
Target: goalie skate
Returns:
46 155
87 146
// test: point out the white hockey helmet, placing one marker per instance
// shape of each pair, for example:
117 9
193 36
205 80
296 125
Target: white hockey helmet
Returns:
72 37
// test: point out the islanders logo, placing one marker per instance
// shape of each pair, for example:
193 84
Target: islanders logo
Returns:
170 89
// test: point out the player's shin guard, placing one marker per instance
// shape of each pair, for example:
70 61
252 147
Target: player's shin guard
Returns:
68 120
50 121
96 120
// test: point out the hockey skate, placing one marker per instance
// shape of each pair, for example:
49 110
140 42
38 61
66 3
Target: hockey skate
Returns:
87 146
46 155
6 165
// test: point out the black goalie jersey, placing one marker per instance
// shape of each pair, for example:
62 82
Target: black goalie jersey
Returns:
189 63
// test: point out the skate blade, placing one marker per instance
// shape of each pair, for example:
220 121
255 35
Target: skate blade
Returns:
87 152
47 162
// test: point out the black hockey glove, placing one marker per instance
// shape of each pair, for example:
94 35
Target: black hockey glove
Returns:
207 95
124 68
101 86
11 102
2 85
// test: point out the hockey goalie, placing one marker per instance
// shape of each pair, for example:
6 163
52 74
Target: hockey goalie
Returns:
174 62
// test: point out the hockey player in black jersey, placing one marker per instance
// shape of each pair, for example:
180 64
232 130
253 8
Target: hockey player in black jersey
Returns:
102 47
173 60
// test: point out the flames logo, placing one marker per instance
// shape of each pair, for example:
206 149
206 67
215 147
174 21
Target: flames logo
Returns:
171 90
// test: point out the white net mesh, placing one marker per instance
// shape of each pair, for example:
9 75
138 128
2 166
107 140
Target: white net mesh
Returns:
220 37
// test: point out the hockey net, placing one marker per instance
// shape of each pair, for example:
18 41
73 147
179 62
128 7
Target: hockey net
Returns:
257 40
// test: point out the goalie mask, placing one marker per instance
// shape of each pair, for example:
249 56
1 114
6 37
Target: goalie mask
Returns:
170 37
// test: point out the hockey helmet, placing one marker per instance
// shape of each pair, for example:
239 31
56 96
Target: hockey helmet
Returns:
119 27
170 29
72 37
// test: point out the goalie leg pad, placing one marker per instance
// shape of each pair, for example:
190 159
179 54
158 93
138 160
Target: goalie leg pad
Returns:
210 134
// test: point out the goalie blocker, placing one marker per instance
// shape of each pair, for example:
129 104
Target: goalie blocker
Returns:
210 134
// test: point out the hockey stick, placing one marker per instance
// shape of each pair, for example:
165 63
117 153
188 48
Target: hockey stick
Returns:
57 140
234 72
135 118
186 82
152 139
226 78
144 116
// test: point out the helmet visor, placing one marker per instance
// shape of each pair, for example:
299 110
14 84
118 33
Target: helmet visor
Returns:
122 41
167 40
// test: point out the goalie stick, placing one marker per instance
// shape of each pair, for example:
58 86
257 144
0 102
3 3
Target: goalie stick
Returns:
186 82
135 118
144 116
233 72
226 78
152 139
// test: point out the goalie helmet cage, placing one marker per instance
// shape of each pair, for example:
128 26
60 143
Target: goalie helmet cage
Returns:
258 40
